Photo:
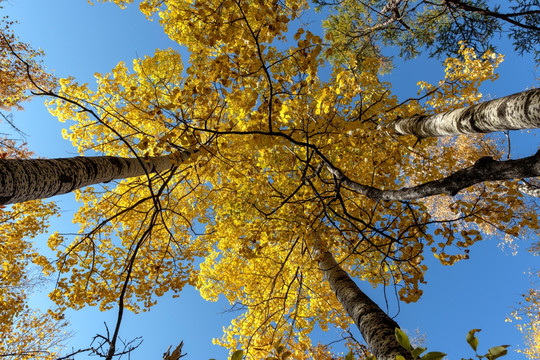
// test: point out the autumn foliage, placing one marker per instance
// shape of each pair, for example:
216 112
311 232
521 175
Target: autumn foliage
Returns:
26 333
276 125
15 82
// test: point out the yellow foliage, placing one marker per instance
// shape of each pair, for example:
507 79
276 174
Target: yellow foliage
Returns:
23 332
463 76
17 59
528 315
269 121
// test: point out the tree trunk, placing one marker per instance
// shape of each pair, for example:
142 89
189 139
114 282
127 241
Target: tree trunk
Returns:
530 190
485 169
514 112
376 327
29 179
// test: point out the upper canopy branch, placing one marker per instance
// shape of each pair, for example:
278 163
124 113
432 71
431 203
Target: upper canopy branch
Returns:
505 17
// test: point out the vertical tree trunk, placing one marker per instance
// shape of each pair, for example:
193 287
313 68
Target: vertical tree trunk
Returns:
376 327
30 179
513 112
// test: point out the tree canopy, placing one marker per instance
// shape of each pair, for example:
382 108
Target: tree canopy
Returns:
290 156
363 27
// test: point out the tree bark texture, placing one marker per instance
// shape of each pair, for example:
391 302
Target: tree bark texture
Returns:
29 179
529 190
513 112
376 327
485 169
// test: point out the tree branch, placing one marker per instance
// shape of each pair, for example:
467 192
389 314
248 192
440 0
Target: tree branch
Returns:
485 169
505 17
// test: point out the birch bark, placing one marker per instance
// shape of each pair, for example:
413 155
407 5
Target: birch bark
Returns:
530 190
376 327
29 179
513 112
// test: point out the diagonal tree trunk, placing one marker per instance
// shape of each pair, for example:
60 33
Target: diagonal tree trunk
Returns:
485 169
29 179
376 327
513 112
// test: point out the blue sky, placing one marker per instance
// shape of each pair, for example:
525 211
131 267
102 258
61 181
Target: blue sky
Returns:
80 39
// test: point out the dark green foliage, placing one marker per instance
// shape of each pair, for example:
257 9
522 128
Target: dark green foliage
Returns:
362 27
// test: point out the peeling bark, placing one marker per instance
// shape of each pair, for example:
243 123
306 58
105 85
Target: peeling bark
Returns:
376 327
29 179
485 169
513 112
530 190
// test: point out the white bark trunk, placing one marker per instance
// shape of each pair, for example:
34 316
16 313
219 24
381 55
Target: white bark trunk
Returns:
530 190
514 112
376 327
30 179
